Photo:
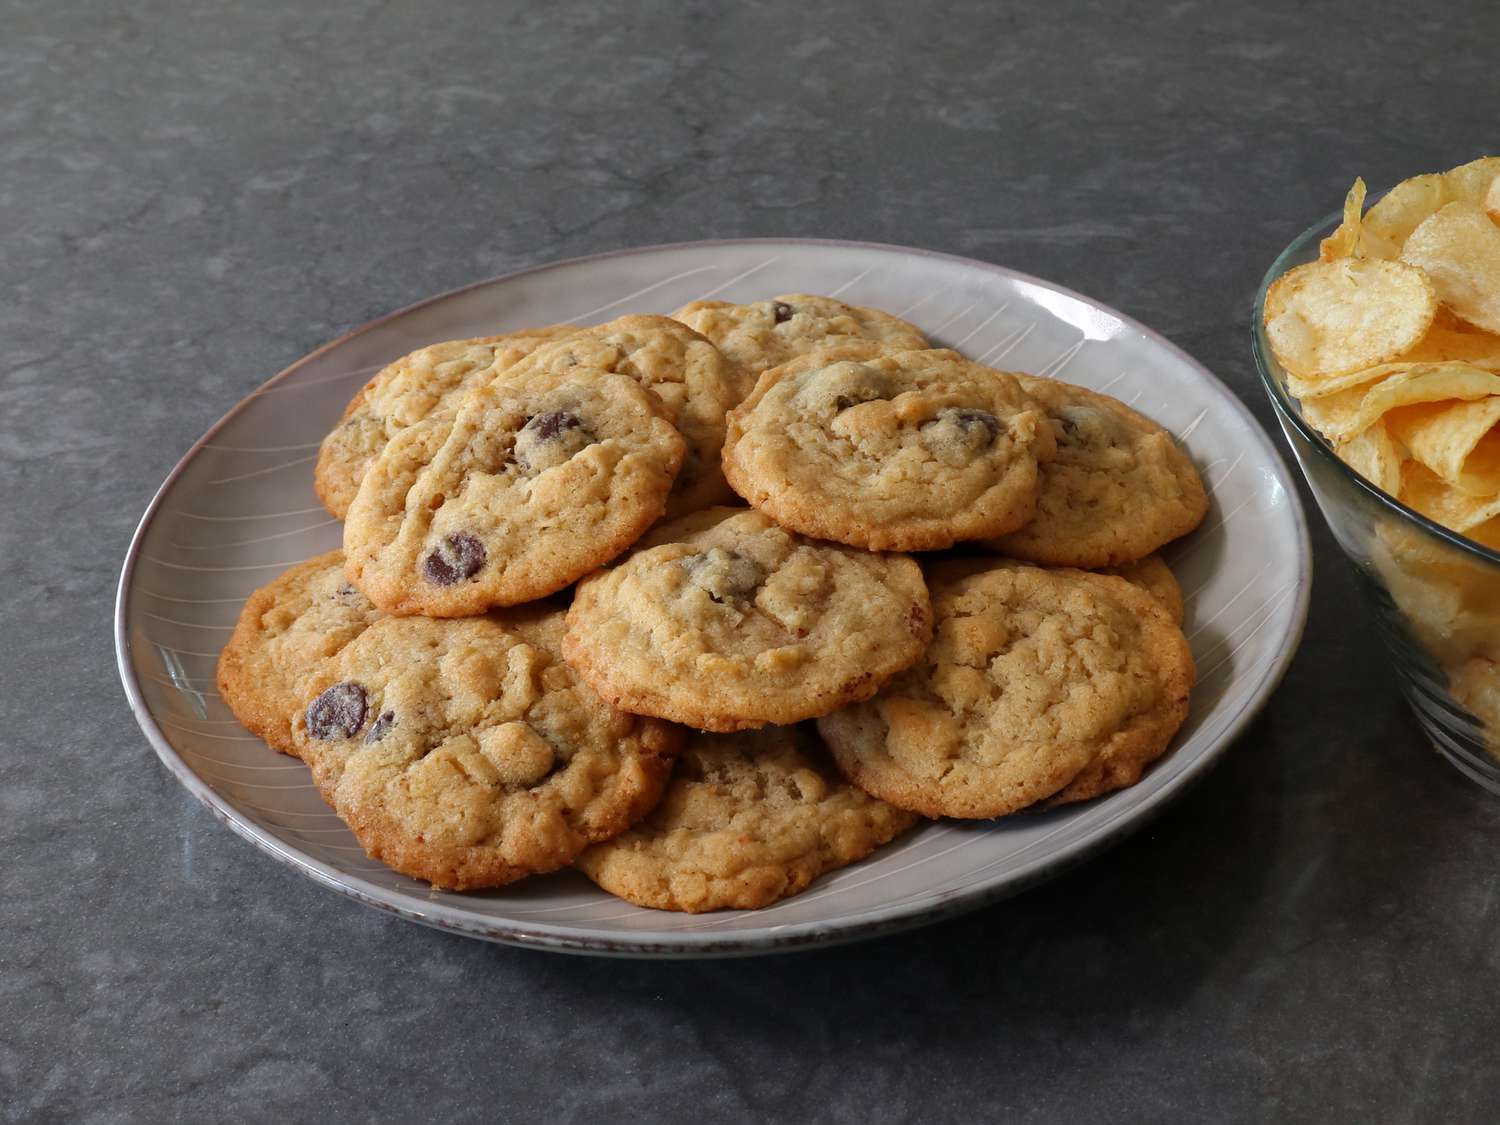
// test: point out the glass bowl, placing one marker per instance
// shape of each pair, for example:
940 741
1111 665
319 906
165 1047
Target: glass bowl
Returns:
1435 594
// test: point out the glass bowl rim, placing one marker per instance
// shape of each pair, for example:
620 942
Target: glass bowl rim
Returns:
1264 362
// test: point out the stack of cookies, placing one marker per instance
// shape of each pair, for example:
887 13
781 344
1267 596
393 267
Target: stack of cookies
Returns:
556 635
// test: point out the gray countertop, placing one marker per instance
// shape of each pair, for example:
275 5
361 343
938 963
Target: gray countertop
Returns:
193 196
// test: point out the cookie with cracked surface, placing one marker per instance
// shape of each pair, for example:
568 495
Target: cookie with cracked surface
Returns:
429 382
694 382
911 452
538 479
466 752
733 622
286 630
766 334
1118 488
1039 684
1153 575
747 819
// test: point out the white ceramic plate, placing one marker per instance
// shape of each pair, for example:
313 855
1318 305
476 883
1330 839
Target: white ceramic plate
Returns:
240 508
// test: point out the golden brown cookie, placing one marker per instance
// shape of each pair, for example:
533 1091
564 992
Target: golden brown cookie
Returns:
691 378
734 622
1039 684
746 820
1118 488
429 382
765 334
466 753
538 479
287 629
1153 575
911 451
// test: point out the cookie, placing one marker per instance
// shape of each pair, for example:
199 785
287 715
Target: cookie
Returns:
695 384
1156 578
286 630
537 480
466 753
1038 684
912 452
734 622
1117 490
746 820
766 334
430 381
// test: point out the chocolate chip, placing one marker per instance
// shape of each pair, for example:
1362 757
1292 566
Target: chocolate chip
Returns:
725 576
338 713
847 384
344 591
457 557
550 439
380 727
975 427
781 311
969 419
546 426
859 397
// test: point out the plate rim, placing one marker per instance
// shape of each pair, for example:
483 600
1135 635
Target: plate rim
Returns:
779 939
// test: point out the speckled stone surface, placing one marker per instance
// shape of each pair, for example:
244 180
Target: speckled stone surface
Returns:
193 196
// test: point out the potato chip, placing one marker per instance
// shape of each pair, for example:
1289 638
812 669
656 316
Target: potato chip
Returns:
1440 345
1386 226
1331 318
1374 456
1456 440
1450 599
1476 687
1488 533
1418 554
1480 349
1429 382
1344 242
1459 249
1492 200
1322 388
1341 415
1481 471
1306 389
1334 416
1429 494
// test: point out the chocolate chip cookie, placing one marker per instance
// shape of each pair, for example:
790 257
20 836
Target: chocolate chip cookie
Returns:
430 381
733 622
746 820
765 334
466 753
538 479
1039 684
911 451
286 630
691 378
1118 488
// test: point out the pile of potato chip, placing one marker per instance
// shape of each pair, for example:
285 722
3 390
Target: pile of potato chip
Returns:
1391 340
1392 343
1451 601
